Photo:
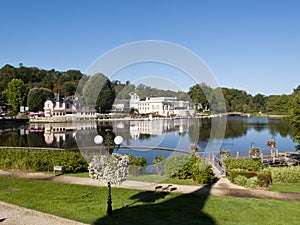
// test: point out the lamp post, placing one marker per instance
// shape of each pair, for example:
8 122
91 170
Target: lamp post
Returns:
98 139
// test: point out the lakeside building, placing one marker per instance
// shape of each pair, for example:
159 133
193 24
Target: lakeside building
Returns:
160 106
165 106
64 109
124 105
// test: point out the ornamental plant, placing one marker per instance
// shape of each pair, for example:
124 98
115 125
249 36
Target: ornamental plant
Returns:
113 169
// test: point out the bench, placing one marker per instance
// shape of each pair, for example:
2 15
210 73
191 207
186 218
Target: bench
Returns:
58 168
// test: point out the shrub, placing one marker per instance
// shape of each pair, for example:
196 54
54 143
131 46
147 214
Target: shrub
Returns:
158 162
252 182
264 178
240 180
245 164
179 166
240 172
202 172
285 174
187 166
137 164
32 160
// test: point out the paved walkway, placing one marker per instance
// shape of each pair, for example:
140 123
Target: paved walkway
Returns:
15 215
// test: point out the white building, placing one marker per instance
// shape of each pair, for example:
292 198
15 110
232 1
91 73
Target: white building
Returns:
65 109
164 106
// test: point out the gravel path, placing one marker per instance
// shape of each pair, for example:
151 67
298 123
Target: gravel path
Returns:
15 215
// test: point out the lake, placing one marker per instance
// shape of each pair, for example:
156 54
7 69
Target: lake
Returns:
180 134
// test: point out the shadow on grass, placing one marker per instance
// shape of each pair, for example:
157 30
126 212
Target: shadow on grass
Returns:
185 209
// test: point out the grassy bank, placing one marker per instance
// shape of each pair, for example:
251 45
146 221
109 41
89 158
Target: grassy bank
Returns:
88 204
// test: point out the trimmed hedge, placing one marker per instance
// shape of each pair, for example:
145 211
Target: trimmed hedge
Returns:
189 166
137 165
289 174
240 172
42 161
202 172
245 164
251 179
179 166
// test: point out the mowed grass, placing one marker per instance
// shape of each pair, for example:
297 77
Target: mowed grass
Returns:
148 178
163 179
292 187
88 204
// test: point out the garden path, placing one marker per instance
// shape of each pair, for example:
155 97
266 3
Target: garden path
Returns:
15 215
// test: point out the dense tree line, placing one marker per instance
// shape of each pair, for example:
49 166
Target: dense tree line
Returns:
27 78
239 101
294 112
31 86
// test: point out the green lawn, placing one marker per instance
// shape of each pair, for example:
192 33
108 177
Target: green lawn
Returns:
294 187
162 179
148 178
88 204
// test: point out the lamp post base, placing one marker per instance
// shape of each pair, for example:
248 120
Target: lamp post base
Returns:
109 207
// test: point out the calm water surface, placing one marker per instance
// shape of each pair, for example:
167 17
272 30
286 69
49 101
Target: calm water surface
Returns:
240 134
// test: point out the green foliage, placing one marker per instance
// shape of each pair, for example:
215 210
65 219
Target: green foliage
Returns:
30 160
252 182
202 172
98 93
65 82
294 115
205 97
236 100
158 162
187 166
285 174
137 165
37 97
264 178
179 166
16 94
240 172
251 179
198 97
137 160
245 164
277 103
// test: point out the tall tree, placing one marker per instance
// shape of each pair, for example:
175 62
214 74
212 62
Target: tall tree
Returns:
37 97
16 94
98 93
294 112
277 103
198 96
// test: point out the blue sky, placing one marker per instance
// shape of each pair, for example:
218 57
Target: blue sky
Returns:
249 45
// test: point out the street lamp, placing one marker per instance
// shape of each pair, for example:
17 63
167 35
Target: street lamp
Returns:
98 139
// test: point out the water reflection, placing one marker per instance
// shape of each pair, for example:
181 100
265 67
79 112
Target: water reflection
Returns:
171 133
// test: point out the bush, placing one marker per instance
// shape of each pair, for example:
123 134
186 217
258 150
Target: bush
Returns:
202 172
137 165
179 166
187 166
285 174
240 180
264 178
42 161
245 164
240 172
158 162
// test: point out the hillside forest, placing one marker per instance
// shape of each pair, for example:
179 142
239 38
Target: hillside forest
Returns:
31 86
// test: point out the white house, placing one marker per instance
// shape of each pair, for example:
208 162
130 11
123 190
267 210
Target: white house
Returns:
164 106
65 109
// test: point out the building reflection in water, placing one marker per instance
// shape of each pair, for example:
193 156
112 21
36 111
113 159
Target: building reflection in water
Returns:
58 134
